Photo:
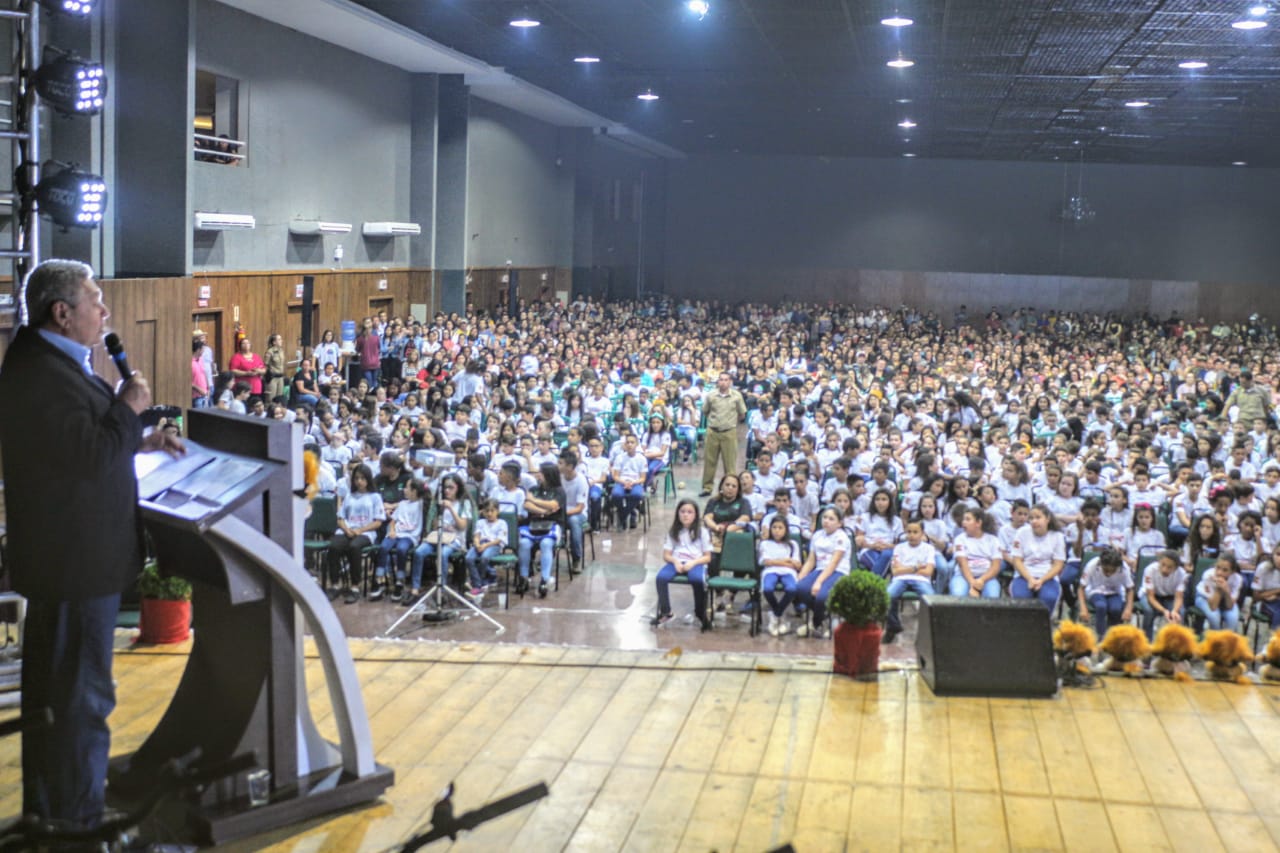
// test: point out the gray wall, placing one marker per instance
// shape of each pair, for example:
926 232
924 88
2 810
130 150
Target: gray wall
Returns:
788 214
329 138
519 201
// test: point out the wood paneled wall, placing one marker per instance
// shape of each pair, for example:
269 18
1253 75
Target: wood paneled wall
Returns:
155 316
486 284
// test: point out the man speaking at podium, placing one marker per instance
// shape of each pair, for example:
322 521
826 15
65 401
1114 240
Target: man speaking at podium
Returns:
75 537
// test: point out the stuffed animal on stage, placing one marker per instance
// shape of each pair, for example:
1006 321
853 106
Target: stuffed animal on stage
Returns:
1226 655
1072 642
1174 649
1270 659
1127 647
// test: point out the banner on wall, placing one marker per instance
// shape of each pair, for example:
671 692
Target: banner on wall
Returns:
348 336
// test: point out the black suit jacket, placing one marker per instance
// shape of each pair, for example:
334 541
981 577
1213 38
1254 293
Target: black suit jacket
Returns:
71 494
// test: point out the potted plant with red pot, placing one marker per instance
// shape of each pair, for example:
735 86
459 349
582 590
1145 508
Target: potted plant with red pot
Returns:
166 606
861 600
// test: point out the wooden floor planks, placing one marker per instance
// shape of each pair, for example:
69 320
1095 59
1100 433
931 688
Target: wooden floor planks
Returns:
712 752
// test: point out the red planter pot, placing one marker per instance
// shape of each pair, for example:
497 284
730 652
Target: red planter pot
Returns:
163 621
857 649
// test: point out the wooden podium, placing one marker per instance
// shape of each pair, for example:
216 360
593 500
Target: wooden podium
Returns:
226 517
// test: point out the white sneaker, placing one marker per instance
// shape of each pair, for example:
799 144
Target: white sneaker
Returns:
773 625
784 627
802 630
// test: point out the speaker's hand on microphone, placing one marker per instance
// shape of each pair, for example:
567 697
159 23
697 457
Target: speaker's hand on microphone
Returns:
136 393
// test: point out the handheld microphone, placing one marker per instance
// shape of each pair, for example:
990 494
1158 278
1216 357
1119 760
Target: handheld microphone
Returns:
115 349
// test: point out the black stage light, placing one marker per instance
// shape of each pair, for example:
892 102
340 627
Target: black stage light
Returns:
71 85
71 198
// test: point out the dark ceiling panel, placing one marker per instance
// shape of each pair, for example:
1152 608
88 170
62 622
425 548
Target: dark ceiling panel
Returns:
1019 79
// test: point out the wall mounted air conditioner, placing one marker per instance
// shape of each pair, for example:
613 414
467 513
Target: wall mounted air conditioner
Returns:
311 227
391 229
224 221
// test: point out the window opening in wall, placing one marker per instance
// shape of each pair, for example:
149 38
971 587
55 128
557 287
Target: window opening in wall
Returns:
216 125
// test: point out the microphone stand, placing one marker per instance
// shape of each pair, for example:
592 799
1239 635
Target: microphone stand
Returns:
442 585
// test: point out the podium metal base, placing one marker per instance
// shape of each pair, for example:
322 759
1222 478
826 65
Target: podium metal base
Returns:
320 793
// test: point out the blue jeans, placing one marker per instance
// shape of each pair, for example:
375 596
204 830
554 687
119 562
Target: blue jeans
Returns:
768 584
687 438
1048 594
1107 610
943 569
66 667
427 551
627 501
697 579
595 497
816 599
371 377
1219 618
399 547
309 399
201 402
576 521
1149 613
655 465
479 570
960 586
1272 610
546 545
897 587
876 561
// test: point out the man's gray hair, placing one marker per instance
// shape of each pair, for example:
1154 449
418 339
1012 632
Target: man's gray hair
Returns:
52 281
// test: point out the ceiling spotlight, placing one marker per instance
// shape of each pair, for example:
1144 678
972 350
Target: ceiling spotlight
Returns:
69 84
897 21
899 63
1248 24
1258 10
1193 64
902 101
71 198
71 7
1137 103
908 154
525 22
647 95
906 124
1239 163
698 7
586 60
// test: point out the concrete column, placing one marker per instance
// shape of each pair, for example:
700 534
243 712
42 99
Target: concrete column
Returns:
452 116
152 76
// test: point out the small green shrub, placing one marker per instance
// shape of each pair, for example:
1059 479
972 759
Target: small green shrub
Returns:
860 598
152 584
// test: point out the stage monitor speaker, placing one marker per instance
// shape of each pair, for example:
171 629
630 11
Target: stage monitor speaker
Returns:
308 303
986 647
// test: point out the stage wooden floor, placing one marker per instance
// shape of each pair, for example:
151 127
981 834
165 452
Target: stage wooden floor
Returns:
714 751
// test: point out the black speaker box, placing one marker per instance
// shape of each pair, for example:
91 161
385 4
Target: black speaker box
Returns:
986 647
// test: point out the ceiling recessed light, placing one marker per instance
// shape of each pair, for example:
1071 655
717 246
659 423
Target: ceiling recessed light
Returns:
908 154
1258 10
902 101
698 7
1239 163
897 21
899 63
586 60
1192 64
525 22
906 123
647 95
1249 24
1137 103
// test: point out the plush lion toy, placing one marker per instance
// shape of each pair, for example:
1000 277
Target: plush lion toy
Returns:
1174 648
1127 647
1270 659
1073 641
1226 655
